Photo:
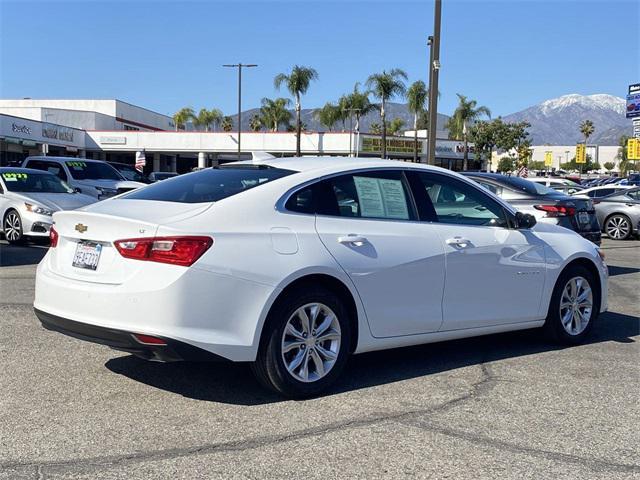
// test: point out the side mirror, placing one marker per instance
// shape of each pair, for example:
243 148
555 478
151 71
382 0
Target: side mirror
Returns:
525 220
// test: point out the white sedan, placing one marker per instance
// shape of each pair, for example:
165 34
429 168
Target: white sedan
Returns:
294 264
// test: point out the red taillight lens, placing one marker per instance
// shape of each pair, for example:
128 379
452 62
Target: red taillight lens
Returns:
556 210
53 237
148 339
182 251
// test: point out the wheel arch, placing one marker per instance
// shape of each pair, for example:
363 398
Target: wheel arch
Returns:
591 267
330 283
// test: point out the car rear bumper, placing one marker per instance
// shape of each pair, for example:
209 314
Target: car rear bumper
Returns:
125 341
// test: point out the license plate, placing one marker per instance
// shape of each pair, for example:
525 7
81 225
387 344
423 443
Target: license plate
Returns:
87 255
583 217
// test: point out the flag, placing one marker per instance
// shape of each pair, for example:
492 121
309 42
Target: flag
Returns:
141 161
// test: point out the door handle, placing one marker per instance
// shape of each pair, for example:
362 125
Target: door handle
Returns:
353 239
458 242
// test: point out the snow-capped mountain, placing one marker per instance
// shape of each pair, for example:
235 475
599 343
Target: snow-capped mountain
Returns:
557 121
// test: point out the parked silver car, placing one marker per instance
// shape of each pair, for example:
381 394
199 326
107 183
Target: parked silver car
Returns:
619 213
28 199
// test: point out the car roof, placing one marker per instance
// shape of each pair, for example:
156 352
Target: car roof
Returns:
64 159
327 165
23 170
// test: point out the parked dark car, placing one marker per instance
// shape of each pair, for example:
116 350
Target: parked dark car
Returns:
129 172
546 204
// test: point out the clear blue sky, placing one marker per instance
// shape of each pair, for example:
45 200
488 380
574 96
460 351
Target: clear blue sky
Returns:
164 55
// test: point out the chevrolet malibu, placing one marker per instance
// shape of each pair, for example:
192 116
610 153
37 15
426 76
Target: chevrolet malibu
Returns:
294 264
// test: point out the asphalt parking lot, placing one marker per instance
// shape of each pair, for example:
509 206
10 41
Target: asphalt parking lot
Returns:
502 406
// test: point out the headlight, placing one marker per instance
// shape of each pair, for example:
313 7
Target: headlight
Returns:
38 209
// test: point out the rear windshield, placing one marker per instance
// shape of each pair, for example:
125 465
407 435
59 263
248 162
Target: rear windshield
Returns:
527 186
81 170
209 185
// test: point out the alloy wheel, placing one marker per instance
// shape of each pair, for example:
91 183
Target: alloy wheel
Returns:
576 305
311 342
12 227
618 227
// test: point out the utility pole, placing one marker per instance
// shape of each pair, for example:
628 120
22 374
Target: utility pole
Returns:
434 67
239 66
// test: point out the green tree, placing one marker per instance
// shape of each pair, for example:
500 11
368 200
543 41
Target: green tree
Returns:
395 126
274 113
507 164
609 166
417 95
485 136
384 86
466 112
255 124
583 167
207 118
182 116
375 128
227 123
328 115
537 165
356 103
297 82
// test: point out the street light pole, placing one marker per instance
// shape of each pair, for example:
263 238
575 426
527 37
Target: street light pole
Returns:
239 67
434 67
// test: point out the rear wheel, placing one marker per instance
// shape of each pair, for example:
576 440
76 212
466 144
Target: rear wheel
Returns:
12 227
618 227
305 344
574 306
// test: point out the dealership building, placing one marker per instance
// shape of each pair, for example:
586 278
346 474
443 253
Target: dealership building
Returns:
117 131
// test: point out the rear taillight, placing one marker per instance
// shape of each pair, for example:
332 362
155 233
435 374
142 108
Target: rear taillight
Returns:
148 339
556 210
182 251
53 237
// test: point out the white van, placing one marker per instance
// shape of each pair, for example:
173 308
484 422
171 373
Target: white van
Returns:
91 177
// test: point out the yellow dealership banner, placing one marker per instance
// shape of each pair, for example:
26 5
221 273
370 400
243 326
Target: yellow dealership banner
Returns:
633 149
581 153
548 159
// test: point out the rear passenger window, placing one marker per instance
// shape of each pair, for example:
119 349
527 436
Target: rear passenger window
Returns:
380 195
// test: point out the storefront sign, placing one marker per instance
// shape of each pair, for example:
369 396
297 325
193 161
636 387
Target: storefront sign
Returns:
113 140
57 132
20 129
394 145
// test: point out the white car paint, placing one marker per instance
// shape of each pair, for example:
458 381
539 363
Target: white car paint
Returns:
593 191
411 283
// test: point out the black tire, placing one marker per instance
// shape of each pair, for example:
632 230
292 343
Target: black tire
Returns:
10 221
622 222
553 326
269 367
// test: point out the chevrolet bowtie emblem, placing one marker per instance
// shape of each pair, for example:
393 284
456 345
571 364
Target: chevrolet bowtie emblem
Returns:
81 228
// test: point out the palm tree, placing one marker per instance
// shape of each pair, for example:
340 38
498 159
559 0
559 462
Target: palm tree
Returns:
328 115
206 118
395 126
227 123
417 98
385 86
458 125
357 102
182 116
375 128
255 124
274 113
587 129
297 83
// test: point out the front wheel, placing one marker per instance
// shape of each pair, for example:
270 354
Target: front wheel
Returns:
618 227
12 227
305 344
574 306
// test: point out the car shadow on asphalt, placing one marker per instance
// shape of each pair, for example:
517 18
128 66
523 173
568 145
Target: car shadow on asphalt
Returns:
615 270
233 383
19 255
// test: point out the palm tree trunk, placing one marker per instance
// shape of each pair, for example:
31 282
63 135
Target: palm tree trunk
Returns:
415 137
465 161
298 125
384 130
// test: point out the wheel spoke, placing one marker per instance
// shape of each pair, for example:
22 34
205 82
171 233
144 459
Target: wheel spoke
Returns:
326 323
288 346
297 360
326 354
329 335
304 320
304 370
317 361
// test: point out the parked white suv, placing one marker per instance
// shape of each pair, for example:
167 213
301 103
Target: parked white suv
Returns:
91 177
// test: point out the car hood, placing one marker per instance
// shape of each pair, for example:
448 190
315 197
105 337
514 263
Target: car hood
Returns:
115 184
56 201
